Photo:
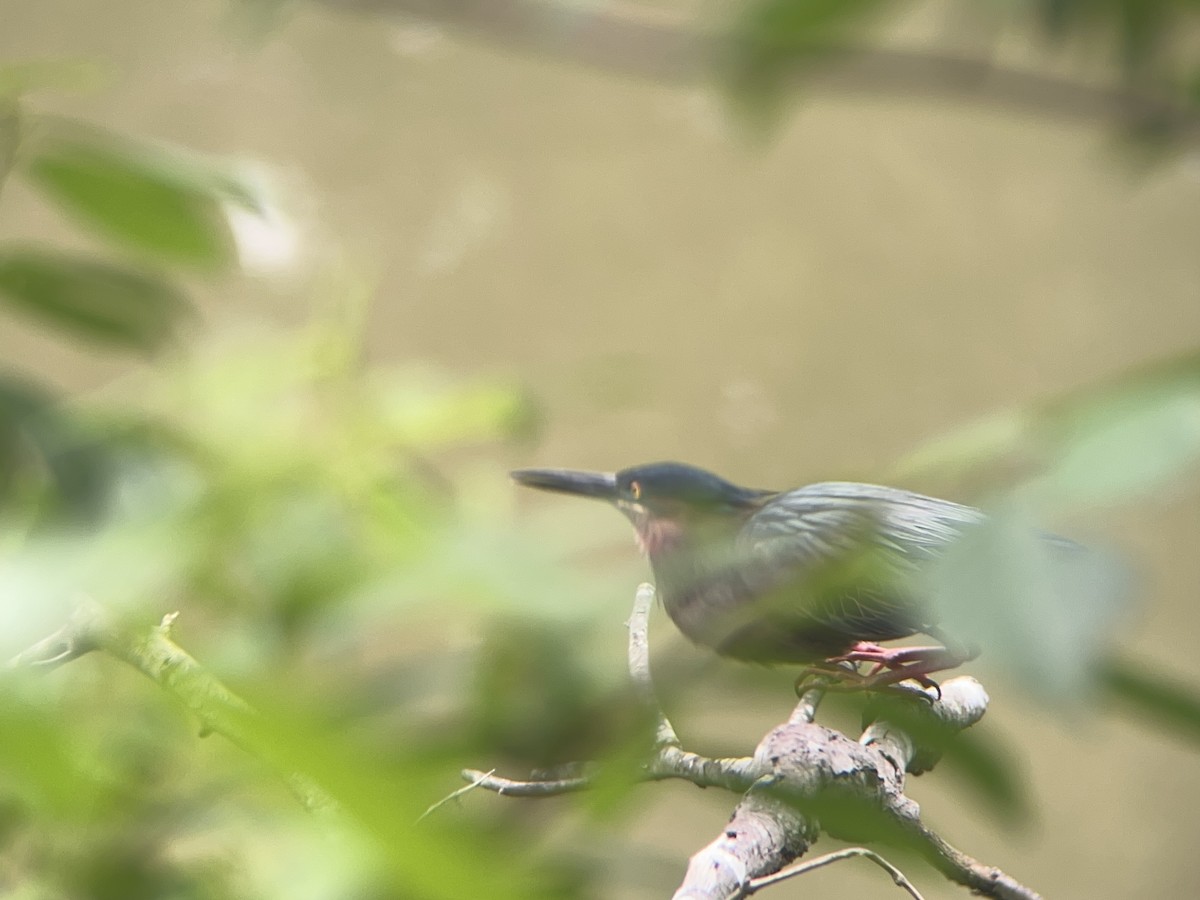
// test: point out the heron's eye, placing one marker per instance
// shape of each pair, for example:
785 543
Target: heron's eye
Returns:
635 490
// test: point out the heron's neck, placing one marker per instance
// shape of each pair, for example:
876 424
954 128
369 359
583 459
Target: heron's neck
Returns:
661 538
683 556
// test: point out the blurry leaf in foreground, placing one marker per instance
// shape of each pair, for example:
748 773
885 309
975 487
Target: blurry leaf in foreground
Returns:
1103 444
148 198
979 761
42 762
1125 440
424 411
99 301
10 135
20 77
19 401
36 437
983 766
1042 609
384 791
537 705
1160 699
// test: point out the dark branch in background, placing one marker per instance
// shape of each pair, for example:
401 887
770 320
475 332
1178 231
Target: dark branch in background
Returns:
798 772
656 45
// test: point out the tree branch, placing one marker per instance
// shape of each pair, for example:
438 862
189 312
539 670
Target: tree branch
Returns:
801 779
153 653
86 628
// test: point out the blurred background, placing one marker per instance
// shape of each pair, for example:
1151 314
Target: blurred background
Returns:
288 287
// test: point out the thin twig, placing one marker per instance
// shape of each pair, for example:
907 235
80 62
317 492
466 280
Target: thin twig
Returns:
454 795
757 884
513 788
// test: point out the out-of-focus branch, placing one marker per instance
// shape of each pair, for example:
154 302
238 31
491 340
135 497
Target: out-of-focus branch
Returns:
797 767
84 631
658 45
153 653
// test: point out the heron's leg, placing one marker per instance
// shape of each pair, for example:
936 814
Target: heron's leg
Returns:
897 657
888 666
916 667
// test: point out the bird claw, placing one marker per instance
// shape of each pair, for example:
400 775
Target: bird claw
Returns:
888 668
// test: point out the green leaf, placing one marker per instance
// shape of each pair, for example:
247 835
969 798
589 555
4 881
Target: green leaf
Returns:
17 78
40 761
424 411
148 199
98 301
41 444
1041 609
1161 700
1107 443
384 789
19 401
984 767
1123 441
980 762
10 135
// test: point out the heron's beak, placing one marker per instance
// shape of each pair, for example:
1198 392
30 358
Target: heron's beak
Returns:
600 485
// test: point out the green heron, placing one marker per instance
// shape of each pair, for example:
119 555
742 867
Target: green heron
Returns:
817 575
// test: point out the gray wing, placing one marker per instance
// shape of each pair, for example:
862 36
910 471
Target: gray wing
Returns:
841 555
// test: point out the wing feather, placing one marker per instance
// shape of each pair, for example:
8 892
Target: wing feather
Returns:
838 555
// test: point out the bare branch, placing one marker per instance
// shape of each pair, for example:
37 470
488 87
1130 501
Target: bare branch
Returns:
454 795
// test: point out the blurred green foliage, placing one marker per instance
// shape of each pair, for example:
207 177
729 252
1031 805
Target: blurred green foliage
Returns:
319 524
96 300
145 199
1145 47
286 499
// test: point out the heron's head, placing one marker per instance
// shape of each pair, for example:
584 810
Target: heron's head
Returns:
663 500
